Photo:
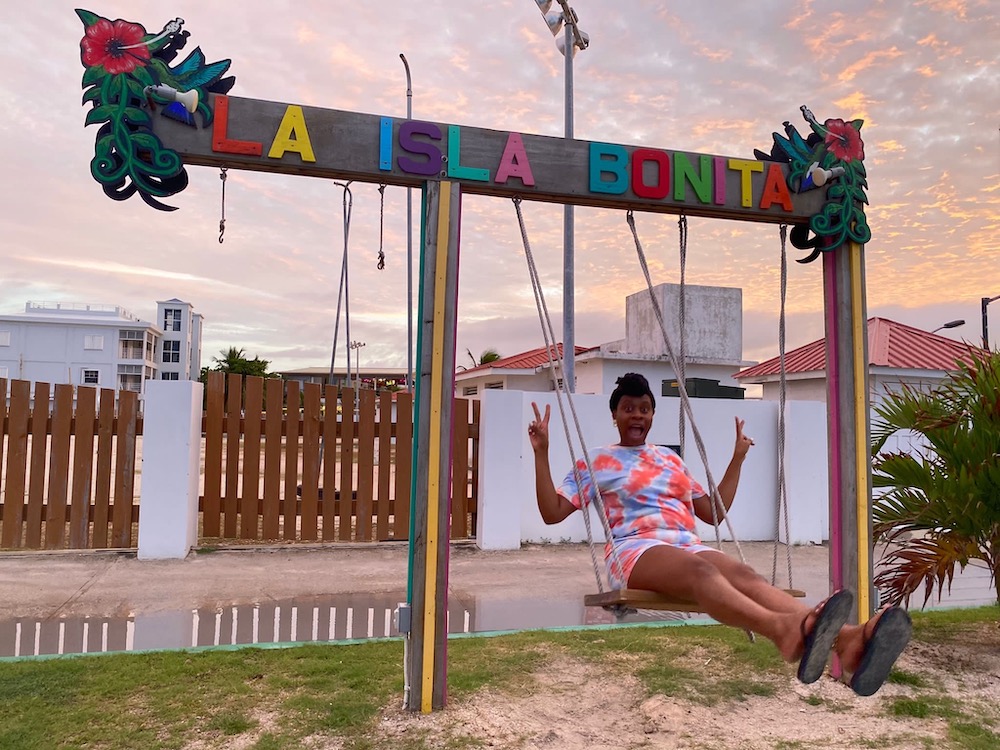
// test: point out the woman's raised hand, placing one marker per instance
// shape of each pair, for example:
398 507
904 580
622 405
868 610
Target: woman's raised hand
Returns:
743 442
538 430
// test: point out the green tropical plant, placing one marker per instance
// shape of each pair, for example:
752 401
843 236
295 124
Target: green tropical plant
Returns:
941 506
488 355
234 361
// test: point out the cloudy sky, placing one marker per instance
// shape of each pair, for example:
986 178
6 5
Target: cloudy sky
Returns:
715 77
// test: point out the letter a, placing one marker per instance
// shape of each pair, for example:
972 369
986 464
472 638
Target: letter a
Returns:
292 124
514 162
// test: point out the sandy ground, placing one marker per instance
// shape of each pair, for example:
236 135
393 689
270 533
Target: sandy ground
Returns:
575 706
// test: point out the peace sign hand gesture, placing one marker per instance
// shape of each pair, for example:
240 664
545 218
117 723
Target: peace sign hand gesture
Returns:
538 430
743 442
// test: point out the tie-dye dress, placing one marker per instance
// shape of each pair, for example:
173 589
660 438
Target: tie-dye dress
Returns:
647 493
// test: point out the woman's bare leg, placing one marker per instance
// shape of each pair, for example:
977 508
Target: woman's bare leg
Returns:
750 583
696 577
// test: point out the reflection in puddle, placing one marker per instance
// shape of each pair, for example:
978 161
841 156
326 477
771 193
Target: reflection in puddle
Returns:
341 617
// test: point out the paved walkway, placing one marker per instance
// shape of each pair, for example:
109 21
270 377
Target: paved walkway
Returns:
53 584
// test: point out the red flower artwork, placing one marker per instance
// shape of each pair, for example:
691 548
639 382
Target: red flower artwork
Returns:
105 44
844 141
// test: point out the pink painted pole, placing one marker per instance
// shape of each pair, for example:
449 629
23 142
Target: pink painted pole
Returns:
833 418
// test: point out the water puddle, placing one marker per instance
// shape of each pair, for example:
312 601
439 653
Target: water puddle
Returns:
340 617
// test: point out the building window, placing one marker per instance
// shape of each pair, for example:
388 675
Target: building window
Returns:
170 376
171 351
470 390
93 342
497 385
3 372
171 319
4 338
91 377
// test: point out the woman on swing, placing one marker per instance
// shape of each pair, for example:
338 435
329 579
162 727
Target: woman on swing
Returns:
652 500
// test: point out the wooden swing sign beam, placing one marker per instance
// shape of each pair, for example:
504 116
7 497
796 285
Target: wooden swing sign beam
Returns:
270 136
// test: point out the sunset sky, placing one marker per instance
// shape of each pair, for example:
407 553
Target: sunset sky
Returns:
715 78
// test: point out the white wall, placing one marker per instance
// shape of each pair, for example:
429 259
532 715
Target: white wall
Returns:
508 512
807 389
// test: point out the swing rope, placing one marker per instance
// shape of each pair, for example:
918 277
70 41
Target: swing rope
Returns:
620 601
342 295
782 509
613 565
343 292
716 500
682 320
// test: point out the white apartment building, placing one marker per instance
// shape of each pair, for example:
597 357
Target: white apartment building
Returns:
180 357
100 345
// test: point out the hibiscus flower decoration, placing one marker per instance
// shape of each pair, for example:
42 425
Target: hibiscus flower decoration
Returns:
844 141
117 47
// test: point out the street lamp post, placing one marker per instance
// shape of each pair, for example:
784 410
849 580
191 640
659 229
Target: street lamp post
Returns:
949 324
572 40
409 246
986 335
356 345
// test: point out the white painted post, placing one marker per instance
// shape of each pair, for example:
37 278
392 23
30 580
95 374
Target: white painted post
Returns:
503 481
171 452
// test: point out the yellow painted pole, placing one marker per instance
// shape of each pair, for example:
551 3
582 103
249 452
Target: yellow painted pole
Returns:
859 333
434 444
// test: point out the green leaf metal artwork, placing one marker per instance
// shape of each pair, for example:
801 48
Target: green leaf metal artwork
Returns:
128 80
831 156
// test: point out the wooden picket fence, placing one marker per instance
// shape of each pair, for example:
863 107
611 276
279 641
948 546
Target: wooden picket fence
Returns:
280 462
291 462
68 468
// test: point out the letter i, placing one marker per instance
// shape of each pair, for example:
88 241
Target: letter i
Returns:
385 145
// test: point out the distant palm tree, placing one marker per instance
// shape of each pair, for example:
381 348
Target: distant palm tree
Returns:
234 361
948 495
488 355
231 359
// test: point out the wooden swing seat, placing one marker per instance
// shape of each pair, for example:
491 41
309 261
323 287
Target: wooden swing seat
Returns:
641 599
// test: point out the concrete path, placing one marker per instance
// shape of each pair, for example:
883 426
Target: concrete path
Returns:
47 585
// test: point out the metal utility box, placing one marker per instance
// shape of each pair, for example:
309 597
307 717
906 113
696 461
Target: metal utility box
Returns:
702 388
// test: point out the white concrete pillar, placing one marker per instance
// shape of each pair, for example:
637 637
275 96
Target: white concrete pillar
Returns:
171 454
502 483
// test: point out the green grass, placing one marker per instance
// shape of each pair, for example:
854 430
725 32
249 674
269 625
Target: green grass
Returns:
900 677
279 697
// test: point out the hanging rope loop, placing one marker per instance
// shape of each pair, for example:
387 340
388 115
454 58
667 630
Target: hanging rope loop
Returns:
381 226
222 221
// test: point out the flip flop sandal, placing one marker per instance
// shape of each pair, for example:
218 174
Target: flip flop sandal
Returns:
888 639
818 642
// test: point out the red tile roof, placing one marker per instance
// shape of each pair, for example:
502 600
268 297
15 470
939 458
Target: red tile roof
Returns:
890 344
528 360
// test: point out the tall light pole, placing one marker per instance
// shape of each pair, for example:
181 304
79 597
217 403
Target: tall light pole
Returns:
572 40
986 335
409 246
